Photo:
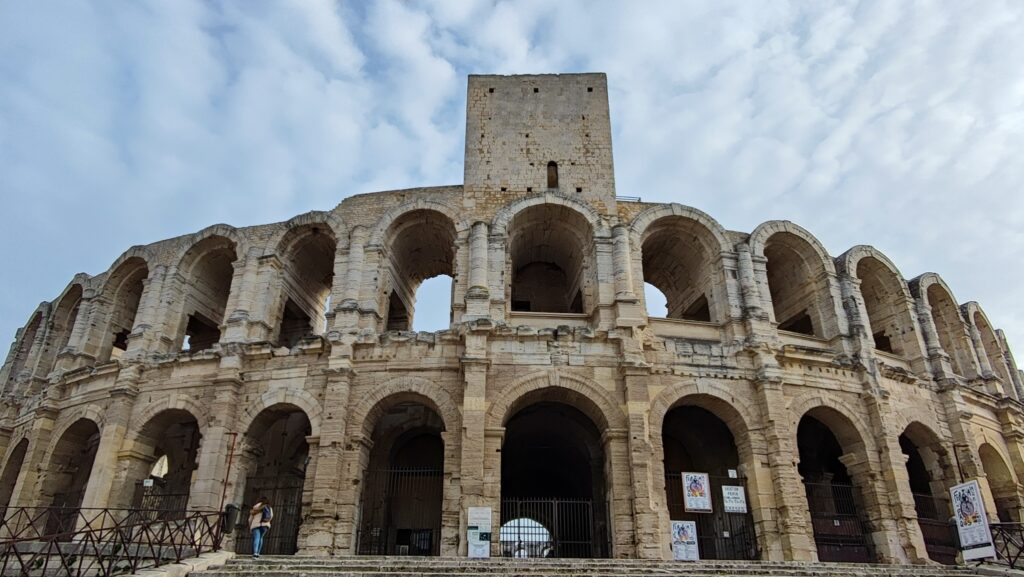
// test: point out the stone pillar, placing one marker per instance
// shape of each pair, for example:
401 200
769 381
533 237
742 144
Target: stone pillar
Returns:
478 294
66 356
149 318
628 312
795 532
979 350
242 299
115 425
618 478
938 359
265 308
497 278
347 310
215 449
25 492
752 298
317 533
355 458
494 438
650 512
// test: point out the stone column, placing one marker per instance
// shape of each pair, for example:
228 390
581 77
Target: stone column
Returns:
979 350
241 300
618 478
66 357
149 318
494 438
478 294
628 312
347 310
649 509
36 458
752 299
938 359
212 476
318 531
497 277
119 410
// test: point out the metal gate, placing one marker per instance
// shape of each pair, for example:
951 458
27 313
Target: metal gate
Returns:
552 528
933 516
720 535
62 516
155 502
400 512
838 529
285 495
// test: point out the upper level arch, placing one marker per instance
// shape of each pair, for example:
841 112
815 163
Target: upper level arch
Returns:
503 218
121 296
550 259
799 273
307 253
20 356
991 347
60 326
206 270
322 220
681 251
418 244
891 321
947 321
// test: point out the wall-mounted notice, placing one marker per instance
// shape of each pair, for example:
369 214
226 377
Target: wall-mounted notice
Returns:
971 521
734 499
696 493
684 541
478 532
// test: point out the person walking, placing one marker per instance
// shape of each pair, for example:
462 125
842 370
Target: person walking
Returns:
259 523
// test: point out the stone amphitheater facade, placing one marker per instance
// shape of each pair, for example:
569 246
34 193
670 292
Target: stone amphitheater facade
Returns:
235 361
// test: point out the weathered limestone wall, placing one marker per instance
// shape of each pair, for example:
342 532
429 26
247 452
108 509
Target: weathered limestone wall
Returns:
310 389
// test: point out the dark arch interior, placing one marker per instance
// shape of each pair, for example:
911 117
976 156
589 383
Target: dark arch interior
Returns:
277 470
402 487
67 476
791 270
930 503
308 259
9 478
548 251
210 268
420 245
696 440
552 471
677 262
170 439
835 503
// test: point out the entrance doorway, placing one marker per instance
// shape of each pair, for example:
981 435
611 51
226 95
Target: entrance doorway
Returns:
553 491
400 511
163 479
696 440
68 475
832 498
277 472
927 484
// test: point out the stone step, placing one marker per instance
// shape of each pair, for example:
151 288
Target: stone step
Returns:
363 566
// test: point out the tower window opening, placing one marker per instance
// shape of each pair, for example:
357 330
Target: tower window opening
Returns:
552 174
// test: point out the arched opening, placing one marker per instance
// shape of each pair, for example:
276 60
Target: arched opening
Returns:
209 268
161 462
124 291
307 255
528 538
553 472
23 350
420 245
1000 482
993 352
66 477
695 440
9 478
433 297
797 284
834 501
549 260
656 302
678 259
552 174
950 328
888 310
64 317
275 463
927 467
400 510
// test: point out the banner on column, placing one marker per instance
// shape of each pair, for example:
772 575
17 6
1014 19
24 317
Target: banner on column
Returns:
734 499
478 532
684 541
696 493
971 521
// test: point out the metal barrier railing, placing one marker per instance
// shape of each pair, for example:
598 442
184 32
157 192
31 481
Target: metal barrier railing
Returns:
104 542
1008 539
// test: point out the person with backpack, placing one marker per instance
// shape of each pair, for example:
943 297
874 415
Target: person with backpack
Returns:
259 523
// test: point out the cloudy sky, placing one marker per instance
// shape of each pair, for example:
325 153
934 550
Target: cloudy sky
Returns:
896 124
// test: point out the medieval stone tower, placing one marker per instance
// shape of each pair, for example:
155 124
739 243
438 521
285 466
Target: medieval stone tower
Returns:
831 400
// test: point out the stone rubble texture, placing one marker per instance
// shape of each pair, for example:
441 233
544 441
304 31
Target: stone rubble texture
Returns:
312 317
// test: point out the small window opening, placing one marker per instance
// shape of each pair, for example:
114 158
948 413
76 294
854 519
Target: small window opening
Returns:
579 189
800 323
398 314
201 333
536 90
552 175
121 340
490 91
504 189
882 342
590 89
529 189
527 135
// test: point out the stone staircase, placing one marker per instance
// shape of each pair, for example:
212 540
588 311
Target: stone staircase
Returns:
461 567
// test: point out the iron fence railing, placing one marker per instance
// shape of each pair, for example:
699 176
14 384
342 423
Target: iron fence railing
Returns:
1008 539
104 542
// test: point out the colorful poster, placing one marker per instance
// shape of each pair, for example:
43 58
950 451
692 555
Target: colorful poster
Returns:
734 499
478 521
684 541
971 521
696 493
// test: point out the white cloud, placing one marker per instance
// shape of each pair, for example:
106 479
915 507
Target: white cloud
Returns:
887 123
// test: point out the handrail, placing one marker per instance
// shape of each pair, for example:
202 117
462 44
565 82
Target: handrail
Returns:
1008 539
109 542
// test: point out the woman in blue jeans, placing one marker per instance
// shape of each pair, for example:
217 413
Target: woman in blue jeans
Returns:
259 523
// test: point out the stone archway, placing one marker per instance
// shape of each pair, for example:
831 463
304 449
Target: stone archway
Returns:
930 474
62 487
11 472
1001 482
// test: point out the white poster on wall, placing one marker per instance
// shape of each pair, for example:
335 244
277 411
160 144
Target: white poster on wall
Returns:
971 521
696 493
478 532
684 541
734 499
